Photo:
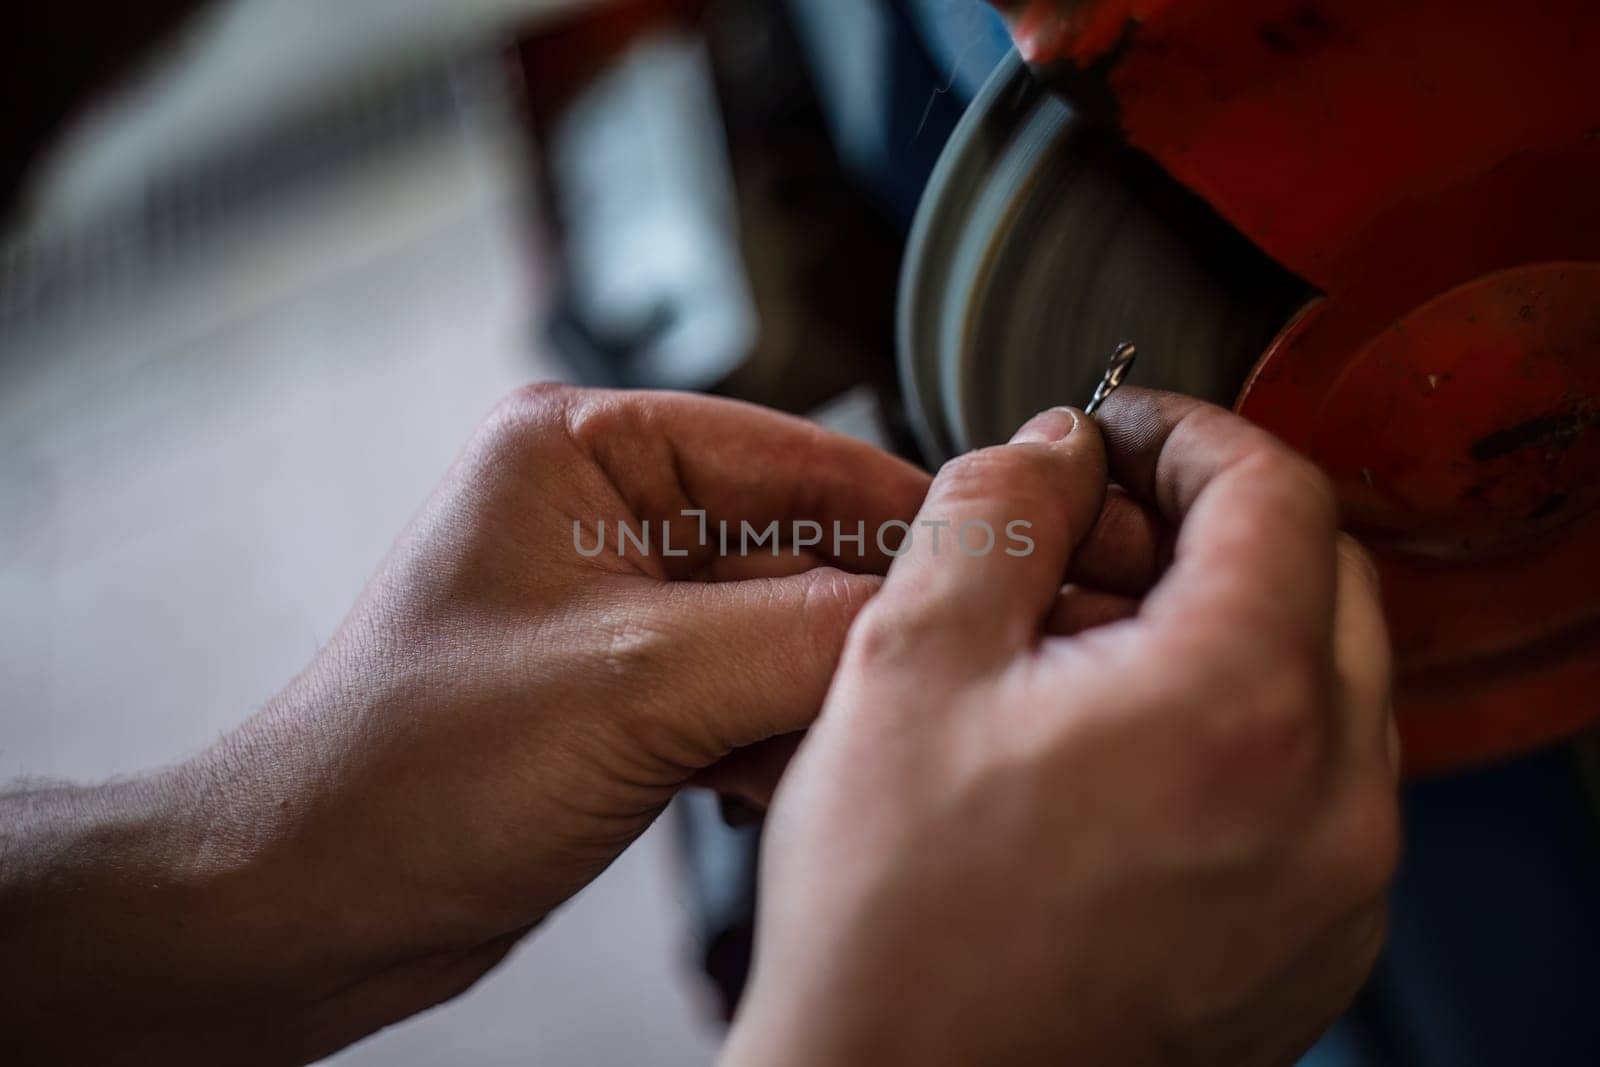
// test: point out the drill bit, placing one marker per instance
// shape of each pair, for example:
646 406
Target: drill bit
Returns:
1117 369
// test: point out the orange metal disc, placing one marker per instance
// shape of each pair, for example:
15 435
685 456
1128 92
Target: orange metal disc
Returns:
1464 440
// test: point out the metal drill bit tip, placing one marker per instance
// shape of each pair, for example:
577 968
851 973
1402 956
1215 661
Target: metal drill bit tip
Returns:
1117 368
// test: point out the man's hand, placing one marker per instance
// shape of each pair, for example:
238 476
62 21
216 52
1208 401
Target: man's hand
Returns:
1148 817
496 720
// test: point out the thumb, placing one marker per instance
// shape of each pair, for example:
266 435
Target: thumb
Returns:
754 658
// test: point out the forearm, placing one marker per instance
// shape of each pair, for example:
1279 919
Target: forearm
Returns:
117 902
169 917
239 908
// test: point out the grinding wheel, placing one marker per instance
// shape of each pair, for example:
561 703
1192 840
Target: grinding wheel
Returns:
1041 242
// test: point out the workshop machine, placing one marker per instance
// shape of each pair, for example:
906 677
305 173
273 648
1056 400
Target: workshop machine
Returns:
1372 227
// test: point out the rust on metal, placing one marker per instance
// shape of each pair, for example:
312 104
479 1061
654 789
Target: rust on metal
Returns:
1557 430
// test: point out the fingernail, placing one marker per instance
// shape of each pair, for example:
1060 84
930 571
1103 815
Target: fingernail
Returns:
1047 426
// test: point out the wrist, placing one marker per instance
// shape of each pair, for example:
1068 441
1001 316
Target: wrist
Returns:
855 994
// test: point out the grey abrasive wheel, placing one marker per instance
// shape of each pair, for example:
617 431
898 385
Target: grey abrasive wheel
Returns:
1041 242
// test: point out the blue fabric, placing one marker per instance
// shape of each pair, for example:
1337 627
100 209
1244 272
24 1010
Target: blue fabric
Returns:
1495 939
1494 936
893 77
964 38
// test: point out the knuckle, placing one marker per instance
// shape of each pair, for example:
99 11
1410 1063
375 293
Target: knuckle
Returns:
538 401
1300 485
553 414
598 419
1271 715
544 392
829 594
636 649
887 633
998 472
1292 687
1264 738
527 414
975 473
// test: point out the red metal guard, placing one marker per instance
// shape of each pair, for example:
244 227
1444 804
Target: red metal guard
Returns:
1433 168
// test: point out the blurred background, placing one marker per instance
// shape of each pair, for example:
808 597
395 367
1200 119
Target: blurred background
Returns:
266 263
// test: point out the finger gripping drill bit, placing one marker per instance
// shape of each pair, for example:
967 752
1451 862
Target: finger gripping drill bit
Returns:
1117 369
